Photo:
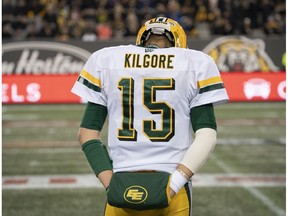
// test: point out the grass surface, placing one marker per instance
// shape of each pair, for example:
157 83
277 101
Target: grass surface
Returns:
41 140
90 202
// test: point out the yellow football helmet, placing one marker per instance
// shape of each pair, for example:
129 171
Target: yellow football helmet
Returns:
162 26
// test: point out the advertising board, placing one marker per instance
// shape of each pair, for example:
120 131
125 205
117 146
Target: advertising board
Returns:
29 89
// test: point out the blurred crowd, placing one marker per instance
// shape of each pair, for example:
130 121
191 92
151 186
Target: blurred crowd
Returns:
91 20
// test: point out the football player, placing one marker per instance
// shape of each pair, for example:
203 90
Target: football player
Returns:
155 94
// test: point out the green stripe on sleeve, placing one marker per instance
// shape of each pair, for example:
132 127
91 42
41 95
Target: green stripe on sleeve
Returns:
89 84
211 88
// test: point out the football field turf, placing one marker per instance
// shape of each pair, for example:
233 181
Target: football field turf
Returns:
244 176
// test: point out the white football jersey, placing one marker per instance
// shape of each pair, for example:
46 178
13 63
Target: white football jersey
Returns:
149 93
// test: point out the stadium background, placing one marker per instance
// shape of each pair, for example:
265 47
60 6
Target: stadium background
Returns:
45 43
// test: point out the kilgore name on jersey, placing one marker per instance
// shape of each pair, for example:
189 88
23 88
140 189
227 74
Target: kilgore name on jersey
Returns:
149 61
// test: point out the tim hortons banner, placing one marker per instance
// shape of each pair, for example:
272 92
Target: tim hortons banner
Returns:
31 89
231 53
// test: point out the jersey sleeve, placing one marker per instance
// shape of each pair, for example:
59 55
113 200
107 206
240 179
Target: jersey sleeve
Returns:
209 85
88 85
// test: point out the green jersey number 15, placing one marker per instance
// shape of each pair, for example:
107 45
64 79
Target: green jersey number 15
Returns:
149 88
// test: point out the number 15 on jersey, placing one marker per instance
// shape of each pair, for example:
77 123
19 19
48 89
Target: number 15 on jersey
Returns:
150 86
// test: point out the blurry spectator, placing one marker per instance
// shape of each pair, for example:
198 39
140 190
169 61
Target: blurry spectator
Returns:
118 28
47 31
75 23
132 24
118 24
32 31
253 13
201 14
88 4
20 24
89 32
173 10
266 7
50 25
160 10
62 14
89 36
7 31
187 9
50 15
272 26
75 32
246 27
7 18
239 14
63 34
221 26
89 14
147 9
280 13
187 24
35 7
21 8
7 7
104 31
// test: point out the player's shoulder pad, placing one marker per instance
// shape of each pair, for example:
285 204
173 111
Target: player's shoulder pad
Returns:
107 51
114 48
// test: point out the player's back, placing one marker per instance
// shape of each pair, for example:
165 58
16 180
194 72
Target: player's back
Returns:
149 93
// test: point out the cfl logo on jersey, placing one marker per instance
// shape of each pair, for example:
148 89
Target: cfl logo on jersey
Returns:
135 194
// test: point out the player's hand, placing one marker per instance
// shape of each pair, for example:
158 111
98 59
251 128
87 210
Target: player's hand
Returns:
172 193
105 177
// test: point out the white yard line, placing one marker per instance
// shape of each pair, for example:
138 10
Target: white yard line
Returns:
252 190
250 141
89 180
44 107
264 199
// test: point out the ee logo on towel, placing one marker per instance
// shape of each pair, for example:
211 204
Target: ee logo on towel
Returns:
135 194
